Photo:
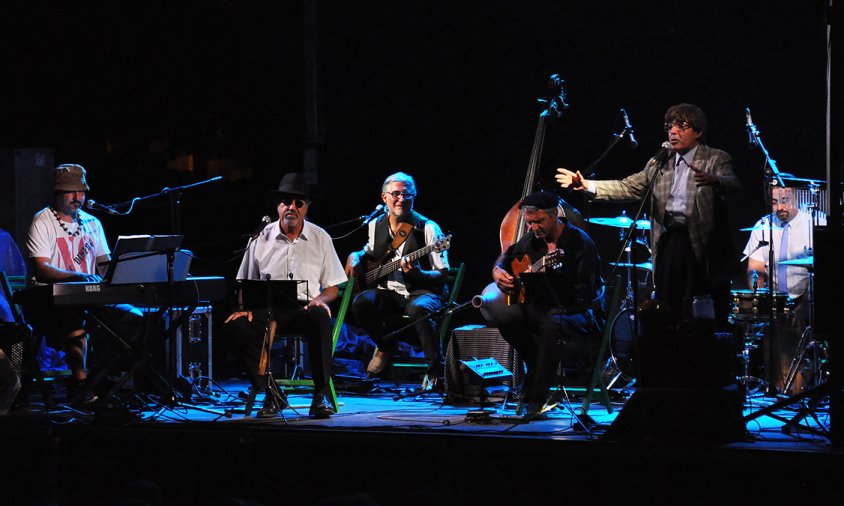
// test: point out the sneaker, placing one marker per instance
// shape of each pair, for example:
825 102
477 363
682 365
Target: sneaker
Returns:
430 383
379 362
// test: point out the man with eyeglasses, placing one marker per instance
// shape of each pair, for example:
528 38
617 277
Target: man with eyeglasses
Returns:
416 290
792 239
694 252
296 249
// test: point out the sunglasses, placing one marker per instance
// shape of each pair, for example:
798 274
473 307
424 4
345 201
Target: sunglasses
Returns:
300 203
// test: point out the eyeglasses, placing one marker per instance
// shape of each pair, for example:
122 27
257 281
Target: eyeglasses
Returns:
299 202
681 125
397 194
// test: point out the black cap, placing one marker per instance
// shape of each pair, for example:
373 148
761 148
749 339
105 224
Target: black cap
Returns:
541 200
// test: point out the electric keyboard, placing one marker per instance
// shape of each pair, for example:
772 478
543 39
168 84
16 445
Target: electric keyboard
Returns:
80 294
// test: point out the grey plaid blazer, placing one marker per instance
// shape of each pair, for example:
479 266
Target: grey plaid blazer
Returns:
709 232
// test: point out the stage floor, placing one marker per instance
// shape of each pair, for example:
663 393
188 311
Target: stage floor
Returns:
390 450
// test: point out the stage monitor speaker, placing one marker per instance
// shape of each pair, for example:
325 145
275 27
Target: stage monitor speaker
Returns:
27 187
476 341
687 389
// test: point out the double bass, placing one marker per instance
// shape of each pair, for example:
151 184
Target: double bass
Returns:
493 304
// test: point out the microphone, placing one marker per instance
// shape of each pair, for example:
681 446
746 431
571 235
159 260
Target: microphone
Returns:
374 214
93 205
264 222
662 155
751 129
631 139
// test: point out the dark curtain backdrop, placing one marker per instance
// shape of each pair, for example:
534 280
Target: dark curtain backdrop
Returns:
447 91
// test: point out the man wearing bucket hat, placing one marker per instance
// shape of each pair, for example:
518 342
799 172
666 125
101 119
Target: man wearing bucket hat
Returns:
555 321
290 248
67 244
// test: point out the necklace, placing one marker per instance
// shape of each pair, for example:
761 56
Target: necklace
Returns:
64 226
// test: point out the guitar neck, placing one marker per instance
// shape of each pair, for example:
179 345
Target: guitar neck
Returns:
395 265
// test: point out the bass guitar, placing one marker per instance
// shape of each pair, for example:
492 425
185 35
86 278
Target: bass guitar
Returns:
375 270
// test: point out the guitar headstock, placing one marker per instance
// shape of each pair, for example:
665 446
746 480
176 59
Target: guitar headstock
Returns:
555 103
554 259
443 243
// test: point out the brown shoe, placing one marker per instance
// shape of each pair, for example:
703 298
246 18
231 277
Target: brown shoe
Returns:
378 363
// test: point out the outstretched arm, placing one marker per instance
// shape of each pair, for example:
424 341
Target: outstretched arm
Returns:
573 180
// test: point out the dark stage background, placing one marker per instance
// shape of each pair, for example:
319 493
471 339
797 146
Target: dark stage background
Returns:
150 95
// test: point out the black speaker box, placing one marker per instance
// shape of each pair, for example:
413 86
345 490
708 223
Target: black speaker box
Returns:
686 390
27 187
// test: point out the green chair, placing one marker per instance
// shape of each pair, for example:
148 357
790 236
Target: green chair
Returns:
597 385
455 282
345 297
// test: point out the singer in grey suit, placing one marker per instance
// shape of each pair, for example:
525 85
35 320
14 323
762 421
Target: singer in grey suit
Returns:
694 252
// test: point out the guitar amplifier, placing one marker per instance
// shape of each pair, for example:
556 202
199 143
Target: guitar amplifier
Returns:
477 342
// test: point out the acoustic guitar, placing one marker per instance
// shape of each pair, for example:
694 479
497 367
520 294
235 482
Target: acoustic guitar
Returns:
553 260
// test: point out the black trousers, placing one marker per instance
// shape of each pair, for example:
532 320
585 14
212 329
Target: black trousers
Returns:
544 337
679 276
313 323
378 310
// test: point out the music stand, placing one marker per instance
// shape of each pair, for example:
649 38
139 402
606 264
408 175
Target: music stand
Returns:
271 296
140 258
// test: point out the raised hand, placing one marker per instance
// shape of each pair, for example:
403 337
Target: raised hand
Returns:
569 179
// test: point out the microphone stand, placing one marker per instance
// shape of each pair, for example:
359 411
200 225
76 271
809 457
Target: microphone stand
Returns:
175 196
362 219
770 171
627 244
590 169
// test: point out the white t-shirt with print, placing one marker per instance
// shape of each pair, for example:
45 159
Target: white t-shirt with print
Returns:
77 253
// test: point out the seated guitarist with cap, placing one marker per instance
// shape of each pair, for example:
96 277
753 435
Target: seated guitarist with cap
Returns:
557 320
417 288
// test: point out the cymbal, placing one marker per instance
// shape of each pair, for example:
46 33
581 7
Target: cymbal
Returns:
790 177
622 222
801 262
648 266
763 226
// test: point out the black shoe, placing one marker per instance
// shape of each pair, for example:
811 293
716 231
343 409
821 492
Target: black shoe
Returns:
79 395
321 407
270 409
534 412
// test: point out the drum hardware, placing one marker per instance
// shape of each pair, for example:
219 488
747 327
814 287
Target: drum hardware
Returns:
754 332
808 350
816 350
621 365
763 226
753 305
